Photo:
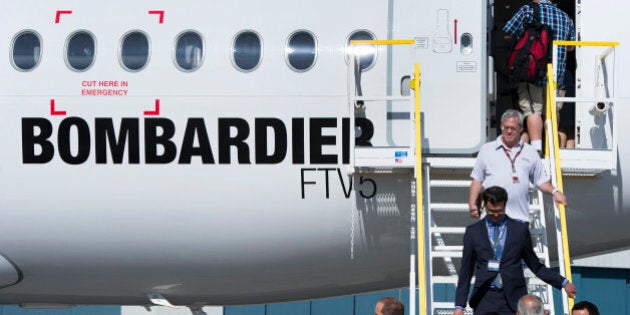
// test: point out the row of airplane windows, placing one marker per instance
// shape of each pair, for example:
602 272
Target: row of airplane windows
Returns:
134 53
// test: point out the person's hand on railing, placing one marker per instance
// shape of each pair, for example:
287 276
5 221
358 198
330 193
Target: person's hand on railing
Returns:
559 197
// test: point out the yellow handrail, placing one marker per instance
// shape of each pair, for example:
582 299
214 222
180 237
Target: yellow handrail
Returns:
552 112
583 43
382 42
419 204
420 235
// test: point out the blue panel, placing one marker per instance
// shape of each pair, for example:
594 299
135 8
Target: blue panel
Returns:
444 292
244 310
339 306
404 298
609 289
439 292
294 308
97 310
606 288
79 310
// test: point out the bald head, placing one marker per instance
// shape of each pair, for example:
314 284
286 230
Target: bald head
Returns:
530 305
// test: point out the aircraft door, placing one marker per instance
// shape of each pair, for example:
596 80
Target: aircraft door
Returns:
450 45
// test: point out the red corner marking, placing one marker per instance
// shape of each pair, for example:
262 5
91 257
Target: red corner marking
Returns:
54 112
156 111
59 13
160 13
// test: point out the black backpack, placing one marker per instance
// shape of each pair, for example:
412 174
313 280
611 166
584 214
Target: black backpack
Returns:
532 52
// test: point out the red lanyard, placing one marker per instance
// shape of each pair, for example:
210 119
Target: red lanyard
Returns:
512 160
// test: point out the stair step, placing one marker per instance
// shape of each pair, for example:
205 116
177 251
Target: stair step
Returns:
444 248
449 183
445 279
446 308
450 254
448 230
537 231
449 207
451 163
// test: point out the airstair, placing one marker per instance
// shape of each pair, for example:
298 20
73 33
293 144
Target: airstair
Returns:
440 191
447 177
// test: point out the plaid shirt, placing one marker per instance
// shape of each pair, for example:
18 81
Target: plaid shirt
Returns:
561 26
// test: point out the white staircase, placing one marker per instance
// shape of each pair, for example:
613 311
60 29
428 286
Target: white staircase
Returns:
538 230
448 214
444 183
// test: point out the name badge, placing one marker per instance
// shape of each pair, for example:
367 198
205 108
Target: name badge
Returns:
515 178
493 265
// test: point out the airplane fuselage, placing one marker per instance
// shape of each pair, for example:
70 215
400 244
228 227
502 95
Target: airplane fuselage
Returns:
215 163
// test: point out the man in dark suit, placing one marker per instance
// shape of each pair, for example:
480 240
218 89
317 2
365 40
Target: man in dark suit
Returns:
494 249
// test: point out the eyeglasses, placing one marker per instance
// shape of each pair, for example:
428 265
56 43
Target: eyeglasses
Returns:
515 129
498 211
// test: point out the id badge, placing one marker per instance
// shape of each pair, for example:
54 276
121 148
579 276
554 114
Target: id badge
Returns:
493 265
515 178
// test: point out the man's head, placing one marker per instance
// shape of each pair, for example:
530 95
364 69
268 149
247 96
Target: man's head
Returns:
584 308
530 305
494 199
389 306
511 127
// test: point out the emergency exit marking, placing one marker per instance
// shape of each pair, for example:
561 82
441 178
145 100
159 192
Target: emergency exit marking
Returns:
55 112
59 13
160 13
155 111
104 87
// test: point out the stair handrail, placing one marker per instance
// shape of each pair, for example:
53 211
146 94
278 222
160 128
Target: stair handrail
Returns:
607 98
553 153
417 233
420 196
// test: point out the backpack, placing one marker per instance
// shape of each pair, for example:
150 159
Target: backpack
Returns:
532 52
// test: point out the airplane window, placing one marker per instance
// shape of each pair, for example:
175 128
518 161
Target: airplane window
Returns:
247 50
366 54
80 51
27 51
189 51
301 51
134 52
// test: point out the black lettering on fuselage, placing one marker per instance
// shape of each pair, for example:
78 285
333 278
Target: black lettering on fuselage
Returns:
318 140
262 125
367 132
328 140
226 140
297 143
31 140
63 140
153 139
128 137
196 128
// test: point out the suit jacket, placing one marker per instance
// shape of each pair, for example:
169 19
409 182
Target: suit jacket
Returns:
477 252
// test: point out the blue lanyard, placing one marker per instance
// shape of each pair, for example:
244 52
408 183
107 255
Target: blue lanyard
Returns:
495 246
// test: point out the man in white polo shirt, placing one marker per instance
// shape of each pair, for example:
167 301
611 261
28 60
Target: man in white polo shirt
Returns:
510 163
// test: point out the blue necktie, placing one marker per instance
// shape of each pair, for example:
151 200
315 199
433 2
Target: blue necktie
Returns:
498 250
